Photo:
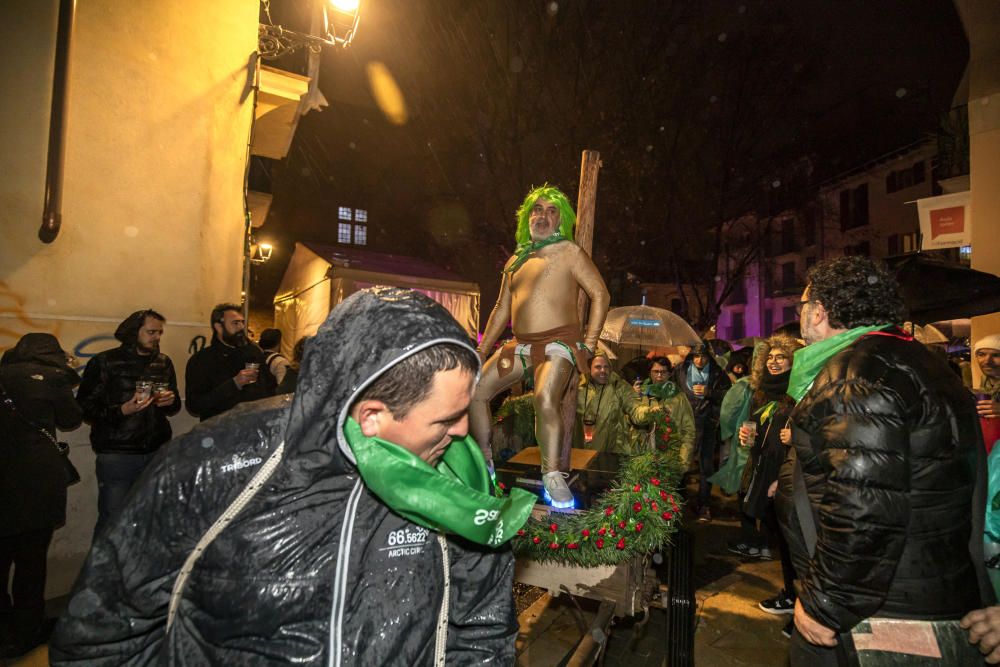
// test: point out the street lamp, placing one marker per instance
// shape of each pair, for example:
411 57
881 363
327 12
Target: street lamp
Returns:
339 25
255 253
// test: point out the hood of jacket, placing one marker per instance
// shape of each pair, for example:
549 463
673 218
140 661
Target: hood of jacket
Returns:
371 331
43 349
128 331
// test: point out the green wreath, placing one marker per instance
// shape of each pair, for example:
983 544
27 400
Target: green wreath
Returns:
637 515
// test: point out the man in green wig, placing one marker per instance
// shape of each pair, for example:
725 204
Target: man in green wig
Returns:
538 297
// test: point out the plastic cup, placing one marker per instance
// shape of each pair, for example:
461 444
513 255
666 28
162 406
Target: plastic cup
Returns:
143 389
751 427
252 366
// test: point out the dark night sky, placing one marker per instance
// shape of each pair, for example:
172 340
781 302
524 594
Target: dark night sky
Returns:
687 102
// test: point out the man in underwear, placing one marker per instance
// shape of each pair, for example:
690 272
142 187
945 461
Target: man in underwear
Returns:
538 296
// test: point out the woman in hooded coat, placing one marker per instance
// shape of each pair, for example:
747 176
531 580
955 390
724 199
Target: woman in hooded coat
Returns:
36 397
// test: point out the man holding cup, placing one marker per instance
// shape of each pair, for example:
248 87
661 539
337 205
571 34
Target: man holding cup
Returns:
128 420
986 352
705 384
228 371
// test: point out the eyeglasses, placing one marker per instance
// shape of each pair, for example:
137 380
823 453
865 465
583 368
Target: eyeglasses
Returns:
800 305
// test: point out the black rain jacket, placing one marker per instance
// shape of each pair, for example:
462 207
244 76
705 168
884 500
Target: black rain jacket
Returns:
275 550
38 381
891 454
109 381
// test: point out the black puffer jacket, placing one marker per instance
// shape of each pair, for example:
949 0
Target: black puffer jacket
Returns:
37 380
109 381
891 453
310 570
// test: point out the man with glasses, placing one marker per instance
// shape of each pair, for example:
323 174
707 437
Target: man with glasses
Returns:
881 496
659 392
229 371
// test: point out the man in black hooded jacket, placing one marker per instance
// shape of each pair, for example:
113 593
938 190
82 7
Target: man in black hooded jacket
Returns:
127 425
292 530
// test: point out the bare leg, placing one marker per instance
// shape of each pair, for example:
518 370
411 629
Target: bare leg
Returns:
490 384
551 379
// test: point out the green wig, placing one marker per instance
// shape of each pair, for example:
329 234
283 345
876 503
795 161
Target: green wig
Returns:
567 218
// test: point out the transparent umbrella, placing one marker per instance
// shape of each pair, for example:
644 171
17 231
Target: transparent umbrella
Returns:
646 326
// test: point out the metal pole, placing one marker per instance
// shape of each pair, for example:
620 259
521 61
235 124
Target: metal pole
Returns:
52 206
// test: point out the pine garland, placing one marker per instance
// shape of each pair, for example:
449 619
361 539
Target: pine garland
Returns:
635 516
521 409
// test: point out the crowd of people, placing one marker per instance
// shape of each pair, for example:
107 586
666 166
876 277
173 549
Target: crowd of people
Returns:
855 452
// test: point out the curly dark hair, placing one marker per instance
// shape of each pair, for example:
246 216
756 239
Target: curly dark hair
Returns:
856 292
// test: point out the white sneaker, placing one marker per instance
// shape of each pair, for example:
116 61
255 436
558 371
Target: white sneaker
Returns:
556 491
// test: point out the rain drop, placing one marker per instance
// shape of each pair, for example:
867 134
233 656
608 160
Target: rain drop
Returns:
552 8
713 99
901 92
722 36
649 148
207 442
776 183
353 146
516 64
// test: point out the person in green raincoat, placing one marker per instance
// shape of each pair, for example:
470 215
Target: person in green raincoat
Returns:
659 392
605 404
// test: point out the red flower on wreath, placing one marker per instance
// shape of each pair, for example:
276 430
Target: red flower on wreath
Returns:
652 506
585 532
669 430
667 515
638 527
637 488
553 527
621 524
654 481
602 531
520 533
608 511
621 543
663 495
536 539
572 545
637 507
599 543
503 487
554 545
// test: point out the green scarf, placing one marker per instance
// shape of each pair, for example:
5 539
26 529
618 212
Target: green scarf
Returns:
525 249
454 497
810 360
661 392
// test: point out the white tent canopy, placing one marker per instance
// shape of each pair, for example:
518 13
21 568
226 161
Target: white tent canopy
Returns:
319 277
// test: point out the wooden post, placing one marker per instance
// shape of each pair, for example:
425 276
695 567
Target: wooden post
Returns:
586 203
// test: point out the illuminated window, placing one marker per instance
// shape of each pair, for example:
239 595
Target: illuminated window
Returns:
344 213
344 232
360 235
360 215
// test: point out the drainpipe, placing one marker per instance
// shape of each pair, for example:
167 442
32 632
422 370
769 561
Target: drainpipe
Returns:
52 212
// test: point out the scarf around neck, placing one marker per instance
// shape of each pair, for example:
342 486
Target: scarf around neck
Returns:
810 360
451 497
524 250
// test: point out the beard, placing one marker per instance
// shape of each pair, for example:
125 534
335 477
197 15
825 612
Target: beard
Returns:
237 339
147 349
